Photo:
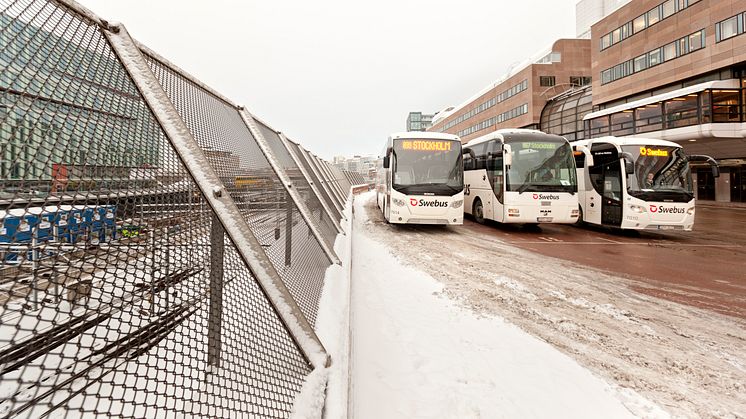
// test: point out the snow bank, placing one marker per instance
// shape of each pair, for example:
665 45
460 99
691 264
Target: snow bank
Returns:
330 386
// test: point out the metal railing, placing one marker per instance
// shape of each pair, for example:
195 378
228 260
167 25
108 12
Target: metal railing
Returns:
162 254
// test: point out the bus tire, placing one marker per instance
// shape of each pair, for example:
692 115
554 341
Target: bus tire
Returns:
580 221
478 211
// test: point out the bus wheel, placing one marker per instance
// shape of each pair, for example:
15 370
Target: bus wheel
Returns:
478 211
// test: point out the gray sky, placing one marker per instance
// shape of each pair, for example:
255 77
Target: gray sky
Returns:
340 75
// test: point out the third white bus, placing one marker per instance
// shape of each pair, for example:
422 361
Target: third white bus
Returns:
636 183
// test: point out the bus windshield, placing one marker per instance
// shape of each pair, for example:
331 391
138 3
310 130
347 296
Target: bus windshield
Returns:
659 170
427 166
541 166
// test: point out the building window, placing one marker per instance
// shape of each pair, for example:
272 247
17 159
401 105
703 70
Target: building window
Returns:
696 41
639 24
653 16
729 28
606 41
669 51
641 63
580 80
606 76
546 81
668 8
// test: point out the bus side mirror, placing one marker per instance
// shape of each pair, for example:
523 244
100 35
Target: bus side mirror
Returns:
508 155
715 171
629 162
588 156
470 152
386 162
629 167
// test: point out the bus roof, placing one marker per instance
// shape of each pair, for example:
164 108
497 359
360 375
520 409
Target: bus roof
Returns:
502 133
620 141
424 135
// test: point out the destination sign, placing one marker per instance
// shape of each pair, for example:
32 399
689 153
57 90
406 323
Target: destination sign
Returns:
644 151
540 146
426 145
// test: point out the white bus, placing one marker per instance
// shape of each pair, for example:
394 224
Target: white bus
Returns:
520 176
421 179
636 183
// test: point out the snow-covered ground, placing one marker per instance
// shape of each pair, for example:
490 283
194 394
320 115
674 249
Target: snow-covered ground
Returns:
416 353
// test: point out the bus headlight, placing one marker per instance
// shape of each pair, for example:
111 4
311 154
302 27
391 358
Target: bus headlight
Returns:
637 209
514 212
574 213
398 202
690 211
457 203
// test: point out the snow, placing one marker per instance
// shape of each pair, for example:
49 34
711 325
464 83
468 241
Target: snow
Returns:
415 353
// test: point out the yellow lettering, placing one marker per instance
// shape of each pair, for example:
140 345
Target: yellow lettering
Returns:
653 152
426 145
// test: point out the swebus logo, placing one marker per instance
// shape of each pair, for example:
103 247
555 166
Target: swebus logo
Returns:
666 210
422 203
546 196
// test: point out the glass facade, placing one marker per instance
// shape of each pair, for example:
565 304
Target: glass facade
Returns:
707 106
31 113
564 114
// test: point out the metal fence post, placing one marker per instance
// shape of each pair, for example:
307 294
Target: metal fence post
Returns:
288 228
217 250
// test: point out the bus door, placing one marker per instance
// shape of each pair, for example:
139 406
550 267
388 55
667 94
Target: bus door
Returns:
603 199
496 176
611 207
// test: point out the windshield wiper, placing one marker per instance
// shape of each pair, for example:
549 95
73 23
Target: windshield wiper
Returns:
521 189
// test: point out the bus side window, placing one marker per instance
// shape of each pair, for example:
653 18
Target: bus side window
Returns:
480 154
468 162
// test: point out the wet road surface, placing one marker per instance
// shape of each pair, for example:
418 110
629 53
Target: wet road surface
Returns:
705 268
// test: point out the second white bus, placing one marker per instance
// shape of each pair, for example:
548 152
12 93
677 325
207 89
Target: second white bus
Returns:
520 176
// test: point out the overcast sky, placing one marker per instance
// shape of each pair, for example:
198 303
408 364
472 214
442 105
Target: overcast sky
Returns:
340 75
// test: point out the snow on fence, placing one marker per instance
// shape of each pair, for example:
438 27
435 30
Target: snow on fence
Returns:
162 252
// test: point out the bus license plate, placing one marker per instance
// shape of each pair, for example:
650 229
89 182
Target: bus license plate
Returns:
666 227
544 219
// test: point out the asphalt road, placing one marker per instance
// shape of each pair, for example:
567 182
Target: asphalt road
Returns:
705 268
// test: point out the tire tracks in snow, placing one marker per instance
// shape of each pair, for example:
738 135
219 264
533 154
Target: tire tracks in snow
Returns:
690 361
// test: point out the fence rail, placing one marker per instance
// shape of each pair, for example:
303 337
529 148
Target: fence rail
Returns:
162 253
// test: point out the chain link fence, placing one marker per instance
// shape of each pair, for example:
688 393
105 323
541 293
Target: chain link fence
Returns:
162 253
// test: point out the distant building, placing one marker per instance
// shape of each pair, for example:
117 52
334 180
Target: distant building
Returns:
357 164
418 121
517 99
